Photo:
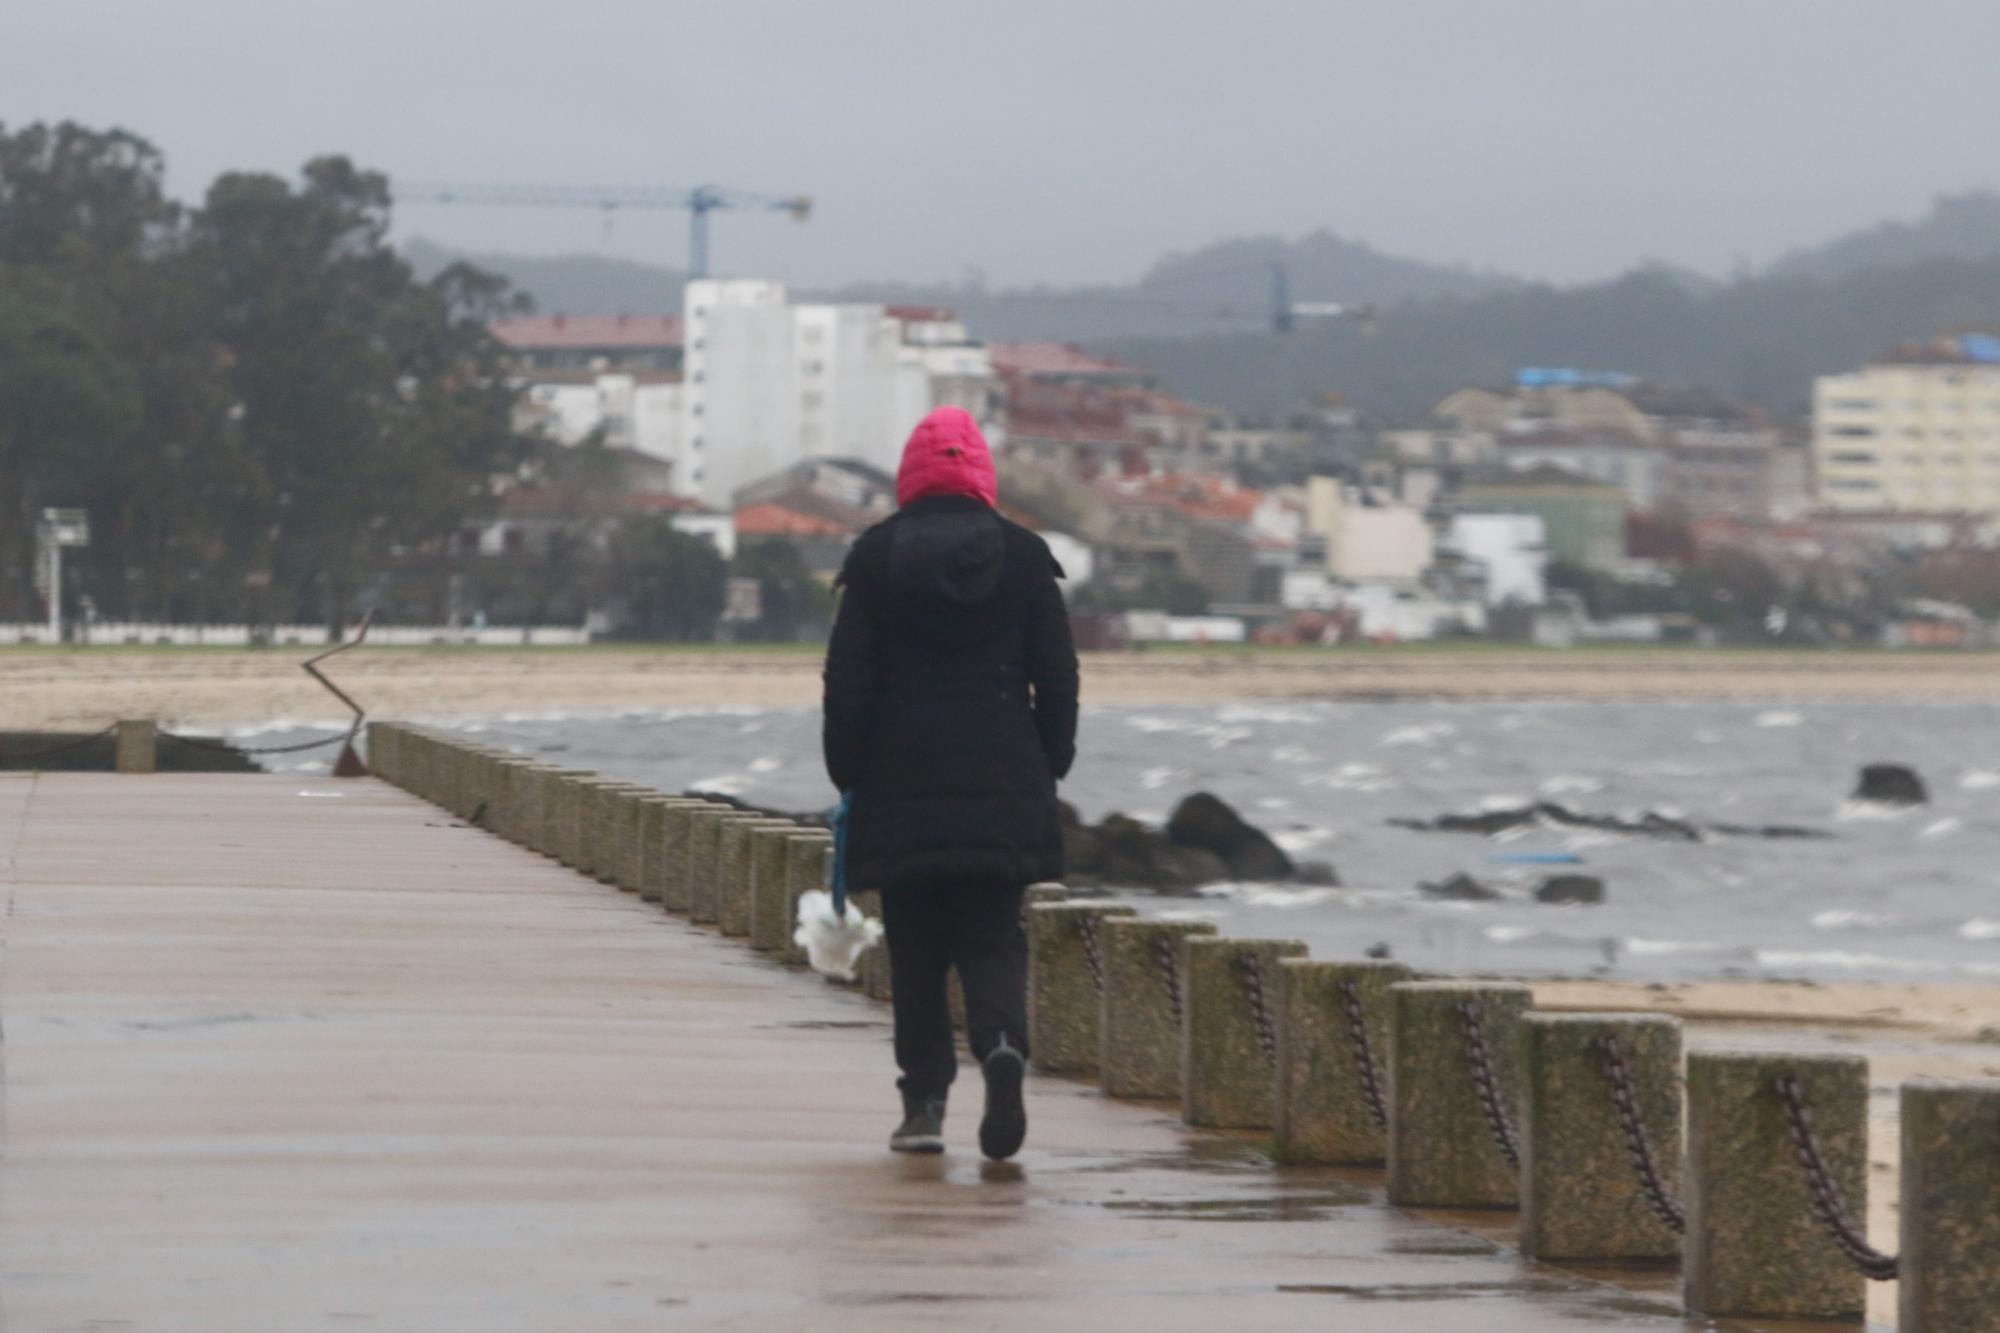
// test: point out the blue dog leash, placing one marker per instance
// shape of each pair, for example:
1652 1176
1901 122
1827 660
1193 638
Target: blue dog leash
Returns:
839 819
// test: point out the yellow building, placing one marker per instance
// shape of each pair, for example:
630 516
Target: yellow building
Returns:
1916 432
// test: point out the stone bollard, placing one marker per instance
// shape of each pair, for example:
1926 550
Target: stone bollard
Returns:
416 746
566 815
1333 1061
1581 1196
654 843
734 884
1753 1247
708 865
1139 1021
775 913
627 813
676 868
531 796
380 740
1065 983
1229 1030
138 746
1950 1275
612 834
873 976
770 902
1443 1145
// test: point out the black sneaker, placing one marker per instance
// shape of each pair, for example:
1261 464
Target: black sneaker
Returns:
922 1129
1006 1120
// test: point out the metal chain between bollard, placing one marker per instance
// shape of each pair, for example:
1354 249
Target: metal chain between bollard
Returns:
1484 1084
1364 1055
224 747
1170 972
1658 1197
1827 1205
61 747
1093 959
1260 1010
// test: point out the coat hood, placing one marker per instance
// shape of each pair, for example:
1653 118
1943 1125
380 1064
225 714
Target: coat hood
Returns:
946 455
947 550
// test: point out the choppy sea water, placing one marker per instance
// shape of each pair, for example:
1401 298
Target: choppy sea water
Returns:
1892 895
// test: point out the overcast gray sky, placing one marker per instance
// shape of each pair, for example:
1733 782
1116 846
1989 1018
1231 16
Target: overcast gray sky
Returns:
1073 140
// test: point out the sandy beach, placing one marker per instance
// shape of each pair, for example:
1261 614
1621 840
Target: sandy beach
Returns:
197 687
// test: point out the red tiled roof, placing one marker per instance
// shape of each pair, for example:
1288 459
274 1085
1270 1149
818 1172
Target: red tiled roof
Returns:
527 332
921 314
1057 359
770 520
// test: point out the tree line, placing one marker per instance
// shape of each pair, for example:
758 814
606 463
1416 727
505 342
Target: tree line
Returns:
270 417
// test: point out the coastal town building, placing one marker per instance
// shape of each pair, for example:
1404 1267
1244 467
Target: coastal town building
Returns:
1915 431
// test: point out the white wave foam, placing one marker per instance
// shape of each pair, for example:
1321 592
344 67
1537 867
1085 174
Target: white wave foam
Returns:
1502 801
1296 841
1780 718
726 784
1980 928
1153 779
1423 733
1511 934
1942 828
1238 713
1571 784
766 764
1841 918
1291 754
1661 948
1979 779
1863 811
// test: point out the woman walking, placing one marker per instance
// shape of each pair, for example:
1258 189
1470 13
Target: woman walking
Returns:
950 713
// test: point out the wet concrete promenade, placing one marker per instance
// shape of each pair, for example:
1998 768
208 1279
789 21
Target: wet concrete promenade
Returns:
284 1055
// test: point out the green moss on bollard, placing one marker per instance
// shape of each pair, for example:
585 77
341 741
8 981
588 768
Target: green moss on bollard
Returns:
1229 1031
1442 1148
733 884
1950 1273
1139 1017
1325 1114
1753 1247
705 864
677 854
770 856
656 843
1580 1192
1065 977
807 862
872 975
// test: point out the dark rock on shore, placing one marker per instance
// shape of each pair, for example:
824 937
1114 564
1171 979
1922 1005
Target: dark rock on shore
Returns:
1461 888
1892 784
1208 823
1570 889
1205 842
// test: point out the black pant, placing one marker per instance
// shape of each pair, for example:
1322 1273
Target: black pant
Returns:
975 928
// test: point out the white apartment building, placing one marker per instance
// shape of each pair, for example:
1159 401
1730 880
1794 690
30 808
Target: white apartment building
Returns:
1917 432
769 384
643 413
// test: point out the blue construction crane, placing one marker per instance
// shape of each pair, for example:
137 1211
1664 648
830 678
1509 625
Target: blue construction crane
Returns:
699 202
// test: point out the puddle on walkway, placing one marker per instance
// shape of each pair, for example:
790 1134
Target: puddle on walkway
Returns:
1300 1207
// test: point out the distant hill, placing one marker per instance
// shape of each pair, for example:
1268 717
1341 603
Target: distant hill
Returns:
1204 318
1959 226
1222 286
1761 338
569 284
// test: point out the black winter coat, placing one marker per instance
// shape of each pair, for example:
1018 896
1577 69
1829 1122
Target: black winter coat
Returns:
950 699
